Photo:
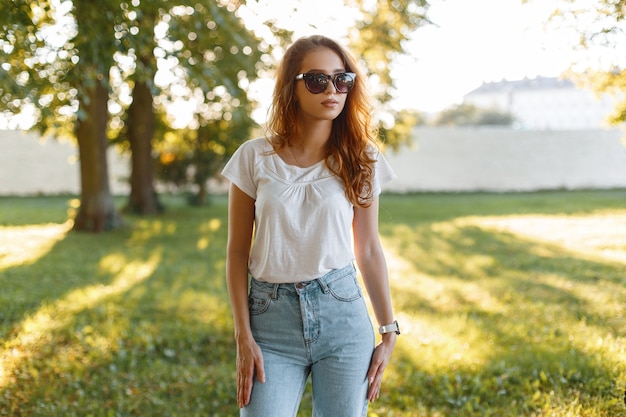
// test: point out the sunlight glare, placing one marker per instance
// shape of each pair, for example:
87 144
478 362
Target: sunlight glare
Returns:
327 17
202 243
39 328
447 340
599 235
214 225
22 245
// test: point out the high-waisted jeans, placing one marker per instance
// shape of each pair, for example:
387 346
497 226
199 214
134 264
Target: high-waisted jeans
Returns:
319 328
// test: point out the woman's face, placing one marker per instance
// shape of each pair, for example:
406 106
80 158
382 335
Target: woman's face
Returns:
328 104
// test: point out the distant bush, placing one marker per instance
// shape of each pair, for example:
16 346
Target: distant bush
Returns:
470 115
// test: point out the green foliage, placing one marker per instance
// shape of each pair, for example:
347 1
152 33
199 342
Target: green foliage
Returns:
386 24
598 22
402 130
377 39
189 158
216 59
601 26
511 305
610 82
54 50
470 115
35 75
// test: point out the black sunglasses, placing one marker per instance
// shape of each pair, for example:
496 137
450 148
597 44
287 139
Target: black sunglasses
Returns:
317 83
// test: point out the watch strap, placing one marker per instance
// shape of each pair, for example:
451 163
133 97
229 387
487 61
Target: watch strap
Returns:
388 328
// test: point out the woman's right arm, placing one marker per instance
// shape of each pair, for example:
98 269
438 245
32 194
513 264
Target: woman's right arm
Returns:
240 227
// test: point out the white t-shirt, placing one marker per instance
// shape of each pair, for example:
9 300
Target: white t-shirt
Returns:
303 220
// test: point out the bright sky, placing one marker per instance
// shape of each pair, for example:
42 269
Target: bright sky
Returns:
479 41
472 41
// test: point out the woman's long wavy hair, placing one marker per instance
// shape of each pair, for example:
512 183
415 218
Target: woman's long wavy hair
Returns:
353 135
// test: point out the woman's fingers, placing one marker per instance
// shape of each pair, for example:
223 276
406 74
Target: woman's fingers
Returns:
245 372
375 377
380 359
247 363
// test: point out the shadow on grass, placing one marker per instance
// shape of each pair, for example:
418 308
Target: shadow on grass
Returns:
503 326
134 322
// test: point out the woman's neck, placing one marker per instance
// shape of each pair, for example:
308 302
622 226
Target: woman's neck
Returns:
309 147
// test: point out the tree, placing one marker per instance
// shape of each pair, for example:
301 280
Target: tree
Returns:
57 67
388 24
215 58
90 76
601 28
66 80
400 132
137 36
219 57
193 156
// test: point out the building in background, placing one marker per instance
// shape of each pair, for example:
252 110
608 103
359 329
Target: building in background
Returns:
544 103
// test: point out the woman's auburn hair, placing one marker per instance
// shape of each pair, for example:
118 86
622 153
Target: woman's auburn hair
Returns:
353 137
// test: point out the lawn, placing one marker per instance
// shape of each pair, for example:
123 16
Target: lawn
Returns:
511 305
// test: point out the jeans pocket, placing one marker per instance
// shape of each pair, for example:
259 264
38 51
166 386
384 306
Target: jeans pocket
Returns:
345 289
258 303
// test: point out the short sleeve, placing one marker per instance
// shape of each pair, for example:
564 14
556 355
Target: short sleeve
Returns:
240 169
383 172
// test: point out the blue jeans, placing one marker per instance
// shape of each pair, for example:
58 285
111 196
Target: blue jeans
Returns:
319 328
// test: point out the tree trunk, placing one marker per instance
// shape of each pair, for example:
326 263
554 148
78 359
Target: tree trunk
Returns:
141 126
97 211
203 161
202 197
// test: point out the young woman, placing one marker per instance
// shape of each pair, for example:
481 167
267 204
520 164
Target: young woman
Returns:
303 205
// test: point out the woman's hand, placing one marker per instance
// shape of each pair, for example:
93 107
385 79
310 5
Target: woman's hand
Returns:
249 361
380 359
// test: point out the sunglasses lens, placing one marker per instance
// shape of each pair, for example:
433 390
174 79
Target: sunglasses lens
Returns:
343 82
316 83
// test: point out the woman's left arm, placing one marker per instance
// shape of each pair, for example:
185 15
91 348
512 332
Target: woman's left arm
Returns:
371 262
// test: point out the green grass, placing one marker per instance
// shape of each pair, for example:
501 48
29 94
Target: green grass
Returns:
511 305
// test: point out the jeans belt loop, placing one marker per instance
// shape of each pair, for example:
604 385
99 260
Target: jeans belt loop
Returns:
322 285
274 294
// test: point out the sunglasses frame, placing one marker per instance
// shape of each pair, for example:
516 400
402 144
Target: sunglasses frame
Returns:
327 77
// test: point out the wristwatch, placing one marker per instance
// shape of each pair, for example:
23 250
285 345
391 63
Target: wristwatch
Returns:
388 328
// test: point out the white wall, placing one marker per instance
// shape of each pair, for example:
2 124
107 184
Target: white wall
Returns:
501 159
489 159
30 165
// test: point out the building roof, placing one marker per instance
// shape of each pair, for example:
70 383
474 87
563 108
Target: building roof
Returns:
539 83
